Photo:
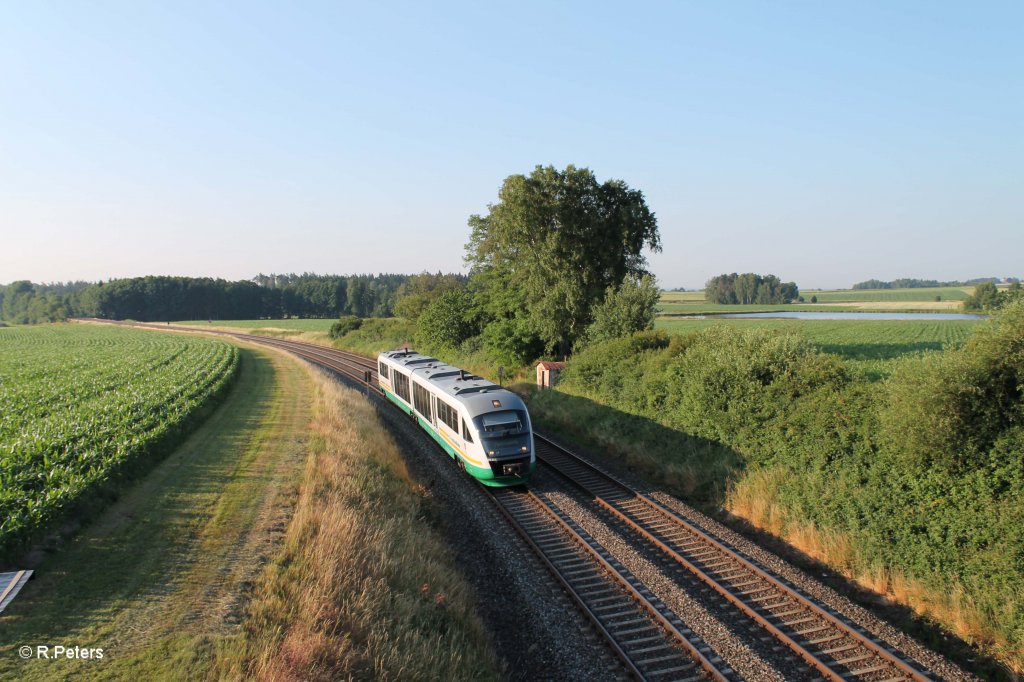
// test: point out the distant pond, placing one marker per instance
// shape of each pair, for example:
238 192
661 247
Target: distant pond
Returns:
846 316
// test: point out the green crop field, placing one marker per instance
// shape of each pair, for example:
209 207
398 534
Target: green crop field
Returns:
869 344
302 325
923 294
891 300
80 402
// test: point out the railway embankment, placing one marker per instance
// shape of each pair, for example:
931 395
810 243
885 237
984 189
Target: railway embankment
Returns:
910 486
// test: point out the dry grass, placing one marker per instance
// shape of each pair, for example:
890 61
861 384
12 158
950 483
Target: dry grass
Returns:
755 499
363 586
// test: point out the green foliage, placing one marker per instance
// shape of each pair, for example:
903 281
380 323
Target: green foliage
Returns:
511 343
448 321
985 297
924 473
626 309
547 252
378 334
749 288
343 326
423 289
78 404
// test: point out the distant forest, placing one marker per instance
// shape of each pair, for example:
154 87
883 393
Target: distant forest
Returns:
159 299
929 283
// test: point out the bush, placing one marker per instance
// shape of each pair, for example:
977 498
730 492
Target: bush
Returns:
348 323
949 409
624 310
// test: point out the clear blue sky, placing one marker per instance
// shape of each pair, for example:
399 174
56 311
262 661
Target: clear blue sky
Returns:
825 142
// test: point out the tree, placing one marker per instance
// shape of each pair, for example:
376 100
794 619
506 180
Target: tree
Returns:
546 253
750 288
448 320
986 297
423 289
625 310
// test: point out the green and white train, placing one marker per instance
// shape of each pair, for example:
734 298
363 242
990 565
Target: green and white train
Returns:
484 427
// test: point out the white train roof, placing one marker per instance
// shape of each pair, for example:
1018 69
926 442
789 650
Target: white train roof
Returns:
479 394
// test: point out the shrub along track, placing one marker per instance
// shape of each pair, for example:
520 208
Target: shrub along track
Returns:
813 634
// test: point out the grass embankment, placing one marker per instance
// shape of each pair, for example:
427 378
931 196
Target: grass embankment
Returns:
363 588
170 582
911 486
158 580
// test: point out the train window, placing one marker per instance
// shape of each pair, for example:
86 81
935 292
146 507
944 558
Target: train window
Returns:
509 421
401 386
383 370
448 415
465 432
421 398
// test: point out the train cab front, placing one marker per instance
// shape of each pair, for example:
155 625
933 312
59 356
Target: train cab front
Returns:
507 441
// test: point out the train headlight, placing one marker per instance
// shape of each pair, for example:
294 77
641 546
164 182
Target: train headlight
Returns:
491 453
525 449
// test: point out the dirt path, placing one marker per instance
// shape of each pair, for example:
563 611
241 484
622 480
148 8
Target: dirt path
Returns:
160 580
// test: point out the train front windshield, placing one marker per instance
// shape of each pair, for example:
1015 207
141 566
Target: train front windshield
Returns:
504 433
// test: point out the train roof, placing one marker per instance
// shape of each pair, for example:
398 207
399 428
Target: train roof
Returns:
479 394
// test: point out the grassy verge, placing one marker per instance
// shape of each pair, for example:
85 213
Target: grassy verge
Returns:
158 581
282 540
363 587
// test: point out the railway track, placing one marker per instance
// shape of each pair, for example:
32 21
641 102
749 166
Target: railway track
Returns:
835 649
651 641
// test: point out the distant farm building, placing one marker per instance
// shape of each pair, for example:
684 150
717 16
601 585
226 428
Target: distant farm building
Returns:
547 373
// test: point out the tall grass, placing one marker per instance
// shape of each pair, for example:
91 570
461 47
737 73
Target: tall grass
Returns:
363 587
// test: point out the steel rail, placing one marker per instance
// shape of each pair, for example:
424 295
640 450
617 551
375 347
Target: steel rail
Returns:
616 496
624 648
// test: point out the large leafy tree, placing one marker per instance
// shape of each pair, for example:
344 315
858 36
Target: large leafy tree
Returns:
549 250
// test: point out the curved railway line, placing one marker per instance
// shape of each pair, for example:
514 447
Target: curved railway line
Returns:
651 641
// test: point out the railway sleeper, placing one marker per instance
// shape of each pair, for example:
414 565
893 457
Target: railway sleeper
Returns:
840 649
649 627
825 640
758 590
867 671
853 659
650 649
658 659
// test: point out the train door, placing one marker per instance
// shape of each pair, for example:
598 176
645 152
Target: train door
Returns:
433 411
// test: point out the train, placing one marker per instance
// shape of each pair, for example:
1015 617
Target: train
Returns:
485 428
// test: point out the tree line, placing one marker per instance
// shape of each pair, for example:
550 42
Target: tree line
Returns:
749 288
911 283
159 298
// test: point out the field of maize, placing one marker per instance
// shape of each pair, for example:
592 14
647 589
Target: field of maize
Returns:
81 403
